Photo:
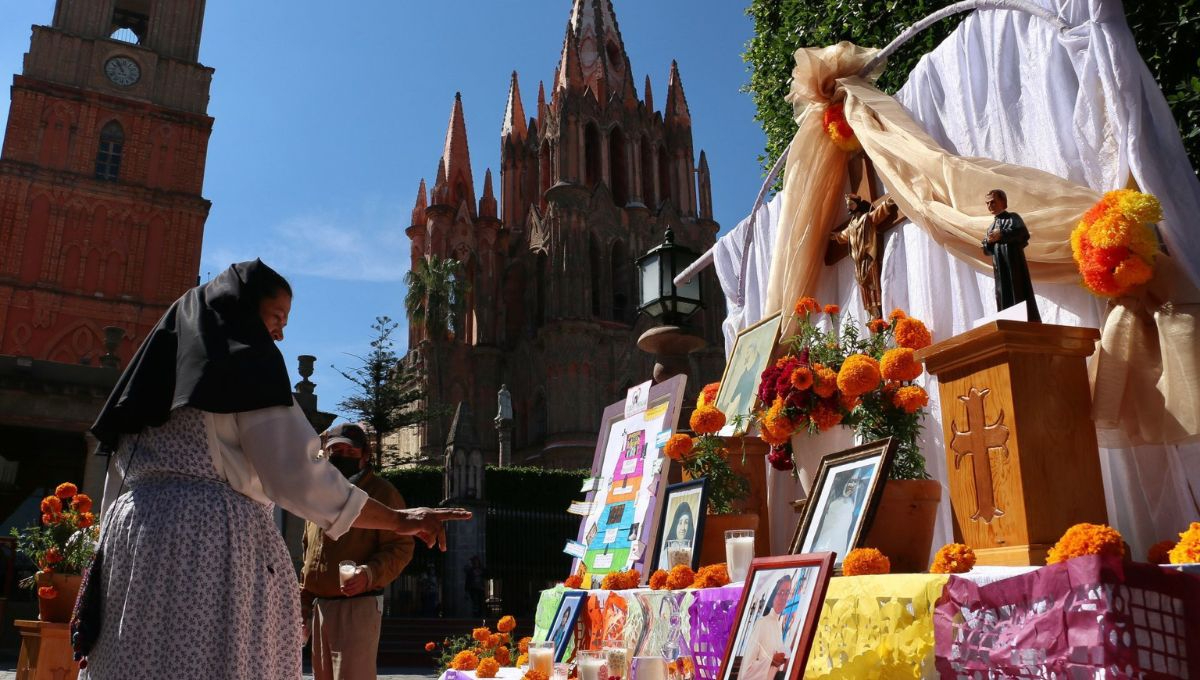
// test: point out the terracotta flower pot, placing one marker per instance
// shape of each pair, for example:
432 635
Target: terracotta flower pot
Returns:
903 524
712 547
58 609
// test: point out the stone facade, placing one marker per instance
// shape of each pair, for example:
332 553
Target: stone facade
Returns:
587 184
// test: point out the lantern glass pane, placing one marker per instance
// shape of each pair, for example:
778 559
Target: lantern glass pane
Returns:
650 277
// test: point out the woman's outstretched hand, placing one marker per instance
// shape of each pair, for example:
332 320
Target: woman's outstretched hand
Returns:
429 524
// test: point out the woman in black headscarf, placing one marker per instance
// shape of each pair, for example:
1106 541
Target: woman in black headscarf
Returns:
195 579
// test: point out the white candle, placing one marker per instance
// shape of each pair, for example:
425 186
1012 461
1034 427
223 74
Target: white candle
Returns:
649 668
589 668
739 551
542 660
346 571
618 660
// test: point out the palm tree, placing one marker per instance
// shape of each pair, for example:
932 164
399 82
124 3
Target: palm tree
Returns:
435 296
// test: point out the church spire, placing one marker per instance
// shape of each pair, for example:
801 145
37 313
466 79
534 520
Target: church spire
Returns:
459 183
677 108
439 183
514 113
569 75
705 188
604 63
487 204
541 114
649 97
418 212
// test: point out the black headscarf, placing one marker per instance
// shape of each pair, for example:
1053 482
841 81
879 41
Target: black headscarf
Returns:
211 350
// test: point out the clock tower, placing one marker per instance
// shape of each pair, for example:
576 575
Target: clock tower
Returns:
101 213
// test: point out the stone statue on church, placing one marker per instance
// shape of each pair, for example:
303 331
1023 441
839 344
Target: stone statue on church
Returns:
1005 242
862 235
504 411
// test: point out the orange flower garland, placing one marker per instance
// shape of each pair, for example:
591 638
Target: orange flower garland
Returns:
1187 550
953 558
839 130
487 668
912 333
712 576
1114 245
465 660
658 580
864 562
678 447
681 576
707 420
859 375
1087 539
900 364
621 580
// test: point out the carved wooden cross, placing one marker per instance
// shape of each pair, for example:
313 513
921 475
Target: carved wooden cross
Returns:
977 441
863 181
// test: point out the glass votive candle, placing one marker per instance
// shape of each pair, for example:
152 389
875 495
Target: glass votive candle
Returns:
561 671
541 657
346 571
679 552
649 668
590 663
616 658
739 552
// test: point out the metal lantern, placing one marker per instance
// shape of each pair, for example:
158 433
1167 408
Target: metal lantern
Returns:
658 295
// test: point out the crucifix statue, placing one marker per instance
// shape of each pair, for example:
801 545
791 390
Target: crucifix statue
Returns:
861 235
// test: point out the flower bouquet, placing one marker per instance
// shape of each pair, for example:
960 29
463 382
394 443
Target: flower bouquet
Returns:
61 546
705 455
483 651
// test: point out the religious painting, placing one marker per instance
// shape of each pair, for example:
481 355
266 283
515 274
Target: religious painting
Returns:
777 617
843 498
562 630
750 356
629 476
681 525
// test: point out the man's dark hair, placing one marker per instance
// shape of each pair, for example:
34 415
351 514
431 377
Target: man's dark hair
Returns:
999 193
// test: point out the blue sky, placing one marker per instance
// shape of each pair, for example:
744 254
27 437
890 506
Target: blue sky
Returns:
328 115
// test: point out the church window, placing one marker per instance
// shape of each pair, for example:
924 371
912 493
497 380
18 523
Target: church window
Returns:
108 156
591 154
616 162
664 174
622 284
648 196
129 24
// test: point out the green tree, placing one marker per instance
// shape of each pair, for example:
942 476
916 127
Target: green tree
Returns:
1166 34
385 395
434 299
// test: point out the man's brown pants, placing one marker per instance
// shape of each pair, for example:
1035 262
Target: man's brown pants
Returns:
345 638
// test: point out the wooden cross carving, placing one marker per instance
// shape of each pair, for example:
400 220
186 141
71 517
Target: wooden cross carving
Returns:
977 441
863 181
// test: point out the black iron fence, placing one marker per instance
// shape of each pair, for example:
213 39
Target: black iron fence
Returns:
524 554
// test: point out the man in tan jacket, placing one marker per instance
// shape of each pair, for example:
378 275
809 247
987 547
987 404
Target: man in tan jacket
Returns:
343 615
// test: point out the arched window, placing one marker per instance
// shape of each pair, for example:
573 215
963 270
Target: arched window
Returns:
594 266
616 163
664 174
622 284
108 156
591 154
648 197
129 24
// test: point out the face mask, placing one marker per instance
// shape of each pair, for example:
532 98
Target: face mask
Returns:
347 466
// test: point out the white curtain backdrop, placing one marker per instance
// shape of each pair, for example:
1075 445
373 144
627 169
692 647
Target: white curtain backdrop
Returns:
1080 104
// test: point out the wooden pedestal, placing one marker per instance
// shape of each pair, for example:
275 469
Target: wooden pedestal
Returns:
1020 442
45 651
754 469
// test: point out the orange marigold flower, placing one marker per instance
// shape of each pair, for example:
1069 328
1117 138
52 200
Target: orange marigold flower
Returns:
53 556
805 306
1187 550
1087 539
504 656
712 576
51 505
802 378
611 581
658 580
506 624
523 644
487 668
708 395
878 325
48 518
66 491
1160 553
631 579
825 381
859 374
534 675
848 402
839 130
900 364
910 399
865 561
707 420
825 418
681 576
953 558
574 581
897 313
47 592
430 646
85 520
81 503
465 660
481 634
776 428
678 447
913 334
832 309
493 641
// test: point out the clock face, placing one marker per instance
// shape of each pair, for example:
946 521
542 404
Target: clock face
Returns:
122 71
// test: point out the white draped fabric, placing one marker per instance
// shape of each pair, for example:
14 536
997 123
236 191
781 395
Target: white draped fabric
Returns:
1080 104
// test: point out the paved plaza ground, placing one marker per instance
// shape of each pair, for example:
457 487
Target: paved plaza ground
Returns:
8 671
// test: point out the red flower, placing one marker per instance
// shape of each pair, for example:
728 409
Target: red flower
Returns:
53 556
66 491
47 592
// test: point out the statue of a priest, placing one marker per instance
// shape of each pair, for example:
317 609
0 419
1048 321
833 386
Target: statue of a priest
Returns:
1005 242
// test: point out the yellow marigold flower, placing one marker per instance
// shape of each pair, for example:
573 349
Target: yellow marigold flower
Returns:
1137 206
910 398
680 577
658 580
802 378
506 624
859 375
1160 553
1077 236
465 661
805 306
900 364
912 333
678 447
708 395
1087 539
825 383
1144 242
707 420
1112 229
953 558
865 561
481 634
523 660
66 491
487 668
1187 550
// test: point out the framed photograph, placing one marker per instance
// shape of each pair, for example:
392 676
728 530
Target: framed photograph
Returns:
777 617
751 354
681 519
629 476
563 629
843 499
